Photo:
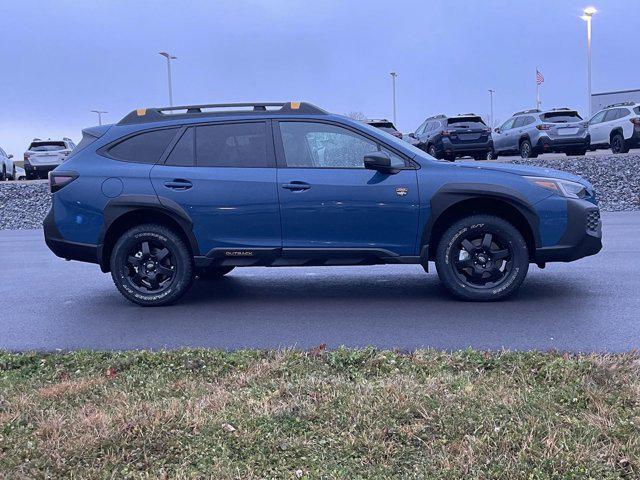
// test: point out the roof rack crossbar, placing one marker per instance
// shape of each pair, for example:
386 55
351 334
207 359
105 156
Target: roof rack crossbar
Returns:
621 104
532 110
145 115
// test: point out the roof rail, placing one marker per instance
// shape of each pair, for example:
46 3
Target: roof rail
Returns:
563 108
145 115
533 110
467 114
621 104
36 140
442 115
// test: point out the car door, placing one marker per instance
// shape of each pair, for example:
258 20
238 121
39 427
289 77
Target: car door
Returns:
223 176
329 201
596 129
501 137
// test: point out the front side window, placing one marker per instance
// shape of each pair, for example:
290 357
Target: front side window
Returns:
598 117
507 125
232 145
320 145
145 147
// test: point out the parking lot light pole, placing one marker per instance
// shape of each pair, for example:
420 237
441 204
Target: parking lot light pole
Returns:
169 57
587 15
491 92
99 112
393 81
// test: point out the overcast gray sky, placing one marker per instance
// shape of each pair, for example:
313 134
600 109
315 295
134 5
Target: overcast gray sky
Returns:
61 58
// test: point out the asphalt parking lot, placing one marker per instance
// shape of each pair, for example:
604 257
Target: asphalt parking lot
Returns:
589 305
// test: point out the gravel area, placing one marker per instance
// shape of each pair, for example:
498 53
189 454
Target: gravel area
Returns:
23 205
616 178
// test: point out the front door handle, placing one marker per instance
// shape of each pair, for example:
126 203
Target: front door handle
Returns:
296 186
178 184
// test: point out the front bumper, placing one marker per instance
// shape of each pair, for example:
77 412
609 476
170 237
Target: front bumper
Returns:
582 238
66 249
560 144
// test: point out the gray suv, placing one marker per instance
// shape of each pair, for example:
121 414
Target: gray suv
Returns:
532 132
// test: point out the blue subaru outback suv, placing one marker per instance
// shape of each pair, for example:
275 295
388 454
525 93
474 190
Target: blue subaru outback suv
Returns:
167 195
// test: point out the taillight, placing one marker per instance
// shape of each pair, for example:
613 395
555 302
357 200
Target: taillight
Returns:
57 180
26 157
543 126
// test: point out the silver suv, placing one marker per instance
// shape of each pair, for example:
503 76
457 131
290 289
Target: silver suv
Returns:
532 132
42 156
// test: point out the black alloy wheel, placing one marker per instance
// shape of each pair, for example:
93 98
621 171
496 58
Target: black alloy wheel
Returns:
432 151
151 265
618 145
482 258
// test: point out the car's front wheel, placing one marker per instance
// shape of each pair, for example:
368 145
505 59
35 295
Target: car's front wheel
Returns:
482 258
526 150
151 265
432 151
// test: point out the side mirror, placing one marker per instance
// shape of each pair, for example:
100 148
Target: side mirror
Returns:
10 155
497 129
379 161
412 135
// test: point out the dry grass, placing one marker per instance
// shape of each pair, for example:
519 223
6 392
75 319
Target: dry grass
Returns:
337 414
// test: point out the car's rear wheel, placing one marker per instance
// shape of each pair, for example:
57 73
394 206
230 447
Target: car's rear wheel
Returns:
213 273
151 265
526 150
482 258
618 144
432 151
491 155
3 173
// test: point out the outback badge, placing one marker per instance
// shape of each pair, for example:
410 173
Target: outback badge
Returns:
401 191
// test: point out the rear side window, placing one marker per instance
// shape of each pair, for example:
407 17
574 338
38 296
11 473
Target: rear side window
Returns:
560 117
145 147
183 154
637 110
232 145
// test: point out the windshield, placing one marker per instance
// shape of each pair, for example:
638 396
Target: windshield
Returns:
560 117
46 146
466 122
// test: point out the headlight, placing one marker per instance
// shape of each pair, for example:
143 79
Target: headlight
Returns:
564 188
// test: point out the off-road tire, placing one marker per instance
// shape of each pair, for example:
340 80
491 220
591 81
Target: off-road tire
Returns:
504 236
158 238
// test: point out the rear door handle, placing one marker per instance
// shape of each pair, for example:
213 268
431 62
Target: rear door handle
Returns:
178 184
296 186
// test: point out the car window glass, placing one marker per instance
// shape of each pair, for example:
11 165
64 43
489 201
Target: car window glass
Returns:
623 112
146 147
396 160
320 145
637 110
610 115
508 124
598 117
232 145
518 122
183 152
423 128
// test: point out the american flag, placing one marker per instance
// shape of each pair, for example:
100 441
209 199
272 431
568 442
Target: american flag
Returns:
539 77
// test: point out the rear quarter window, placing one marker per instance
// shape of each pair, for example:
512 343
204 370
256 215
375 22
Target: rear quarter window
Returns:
146 147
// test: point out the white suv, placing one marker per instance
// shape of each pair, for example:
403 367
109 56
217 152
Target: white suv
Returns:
42 156
616 126
7 167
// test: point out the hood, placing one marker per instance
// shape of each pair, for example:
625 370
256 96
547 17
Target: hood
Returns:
524 170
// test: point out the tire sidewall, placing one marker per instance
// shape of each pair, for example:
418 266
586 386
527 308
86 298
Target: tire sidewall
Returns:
183 263
522 152
508 233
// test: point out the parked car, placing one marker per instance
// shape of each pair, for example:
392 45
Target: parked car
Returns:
7 167
168 194
616 126
532 132
20 174
42 156
386 126
451 137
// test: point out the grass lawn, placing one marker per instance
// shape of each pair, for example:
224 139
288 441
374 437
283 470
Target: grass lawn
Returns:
350 414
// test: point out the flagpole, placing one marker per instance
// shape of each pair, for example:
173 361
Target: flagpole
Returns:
537 91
